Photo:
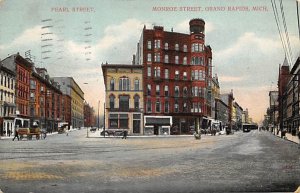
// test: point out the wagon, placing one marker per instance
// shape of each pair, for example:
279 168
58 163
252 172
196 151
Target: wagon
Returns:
29 133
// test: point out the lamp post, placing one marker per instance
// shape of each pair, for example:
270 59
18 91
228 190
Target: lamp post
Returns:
104 120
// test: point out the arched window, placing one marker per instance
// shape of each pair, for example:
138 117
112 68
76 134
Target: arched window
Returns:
124 84
185 48
136 84
166 46
136 102
176 47
112 84
176 91
166 58
185 92
112 101
185 60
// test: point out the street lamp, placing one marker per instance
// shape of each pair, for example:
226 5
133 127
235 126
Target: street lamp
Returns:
104 120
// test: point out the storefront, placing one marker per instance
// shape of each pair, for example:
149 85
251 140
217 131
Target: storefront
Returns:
157 125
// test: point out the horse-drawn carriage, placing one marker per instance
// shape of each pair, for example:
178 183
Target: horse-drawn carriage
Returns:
22 126
29 133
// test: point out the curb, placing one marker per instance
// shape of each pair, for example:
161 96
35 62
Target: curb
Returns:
286 139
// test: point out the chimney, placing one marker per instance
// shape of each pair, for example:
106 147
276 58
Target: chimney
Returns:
133 59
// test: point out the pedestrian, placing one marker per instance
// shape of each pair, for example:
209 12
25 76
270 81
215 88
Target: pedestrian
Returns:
124 135
16 135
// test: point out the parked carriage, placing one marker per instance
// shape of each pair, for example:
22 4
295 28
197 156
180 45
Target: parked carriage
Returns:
22 126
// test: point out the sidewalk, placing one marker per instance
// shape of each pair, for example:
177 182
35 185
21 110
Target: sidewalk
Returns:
288 136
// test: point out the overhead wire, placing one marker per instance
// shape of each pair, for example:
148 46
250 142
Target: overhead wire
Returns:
278 27
286 32
297 3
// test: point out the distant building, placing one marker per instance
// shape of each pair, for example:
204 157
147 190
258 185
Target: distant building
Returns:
288 84
237 116
7 100
124 98
89 115
222 112
273 104
69 87
177 72
283 80
245 116
45 100
215 90
228 99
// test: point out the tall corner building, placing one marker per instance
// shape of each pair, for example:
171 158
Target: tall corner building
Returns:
177 72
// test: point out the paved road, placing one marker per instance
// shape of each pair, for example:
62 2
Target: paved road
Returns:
243 162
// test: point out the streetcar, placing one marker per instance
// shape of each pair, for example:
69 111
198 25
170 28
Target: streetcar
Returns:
247 127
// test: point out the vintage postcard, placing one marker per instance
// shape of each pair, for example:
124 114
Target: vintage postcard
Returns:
149 96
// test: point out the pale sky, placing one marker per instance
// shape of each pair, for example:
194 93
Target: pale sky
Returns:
246 45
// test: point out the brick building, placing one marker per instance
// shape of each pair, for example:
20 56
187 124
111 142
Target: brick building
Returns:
22 68
45 100
75 96
89 115
177 72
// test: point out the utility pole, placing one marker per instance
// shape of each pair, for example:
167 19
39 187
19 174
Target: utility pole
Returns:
104 120
98 114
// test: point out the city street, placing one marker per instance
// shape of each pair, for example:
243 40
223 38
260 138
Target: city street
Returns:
242 162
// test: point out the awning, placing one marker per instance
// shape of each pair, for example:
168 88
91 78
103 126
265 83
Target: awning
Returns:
157 121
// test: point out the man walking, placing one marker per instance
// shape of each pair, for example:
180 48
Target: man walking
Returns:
16 135
124 135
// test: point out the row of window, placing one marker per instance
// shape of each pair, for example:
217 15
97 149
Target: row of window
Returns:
195 91
124 84
23 92
195 47
195 107
121 121
23 76
7 96
197 60
6 111
124 102
195 74
7 81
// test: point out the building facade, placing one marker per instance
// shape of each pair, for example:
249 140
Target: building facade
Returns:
237 116
177 72
89 115
273 112
71 88
124 98
215 90
7 101
222 112
22 68
288 97
45 100
228 99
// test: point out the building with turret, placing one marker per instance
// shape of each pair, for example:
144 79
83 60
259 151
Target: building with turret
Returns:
177 71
